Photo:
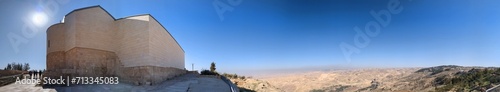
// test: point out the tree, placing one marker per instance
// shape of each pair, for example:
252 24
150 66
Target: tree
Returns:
20 66
13 66
212 67
26 67
16 66
207 72
498 71
9 67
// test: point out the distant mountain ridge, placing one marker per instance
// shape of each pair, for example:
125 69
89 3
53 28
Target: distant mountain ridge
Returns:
437 78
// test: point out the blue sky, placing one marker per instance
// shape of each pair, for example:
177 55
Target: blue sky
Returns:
282 34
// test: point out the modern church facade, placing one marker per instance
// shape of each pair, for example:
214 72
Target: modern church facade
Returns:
91 42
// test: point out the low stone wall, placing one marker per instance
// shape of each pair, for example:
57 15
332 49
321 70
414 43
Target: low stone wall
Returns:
209 76
55 60
148 75
82 62
91 62
55 64
99 63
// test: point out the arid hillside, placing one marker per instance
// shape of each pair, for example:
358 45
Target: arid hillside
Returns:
439 78
248 84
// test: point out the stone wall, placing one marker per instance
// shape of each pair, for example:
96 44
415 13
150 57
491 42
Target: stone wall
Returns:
142 75
56 38
94 28
133 47
91 62
69 31
55 61
163 48
82 62
91 42
99 63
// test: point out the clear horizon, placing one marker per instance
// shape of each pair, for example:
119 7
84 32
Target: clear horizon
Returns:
278 34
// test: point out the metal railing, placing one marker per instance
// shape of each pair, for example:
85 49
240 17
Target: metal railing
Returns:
492 89
233 87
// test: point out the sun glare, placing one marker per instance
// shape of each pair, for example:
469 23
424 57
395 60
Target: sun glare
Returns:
39 19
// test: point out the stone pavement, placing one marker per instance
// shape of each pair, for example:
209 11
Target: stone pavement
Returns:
24 88
209 85
185 83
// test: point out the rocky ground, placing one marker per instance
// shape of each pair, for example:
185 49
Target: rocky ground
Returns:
368 80
341 80
250 84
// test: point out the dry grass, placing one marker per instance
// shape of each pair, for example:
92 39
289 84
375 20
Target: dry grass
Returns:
11 72
4 76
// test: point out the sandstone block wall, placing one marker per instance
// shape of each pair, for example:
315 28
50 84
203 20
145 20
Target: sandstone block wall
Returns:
151 74
90 62
82 62
94 28
59 34
91 42
133 46
163 49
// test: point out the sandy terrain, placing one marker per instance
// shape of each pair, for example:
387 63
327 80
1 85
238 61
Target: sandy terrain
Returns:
255 85
346 80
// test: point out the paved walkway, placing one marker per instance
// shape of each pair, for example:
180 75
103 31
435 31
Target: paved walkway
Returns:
185 83
24 88
209 85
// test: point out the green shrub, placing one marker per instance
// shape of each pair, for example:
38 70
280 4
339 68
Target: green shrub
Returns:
472 80
207 72
234 76
317 90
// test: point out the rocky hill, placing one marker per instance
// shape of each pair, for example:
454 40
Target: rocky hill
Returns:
439 78
248 84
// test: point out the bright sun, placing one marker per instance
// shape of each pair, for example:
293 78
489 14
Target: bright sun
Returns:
39 19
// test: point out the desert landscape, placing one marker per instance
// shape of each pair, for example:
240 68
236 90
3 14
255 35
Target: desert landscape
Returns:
250 46
346 79
388 79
